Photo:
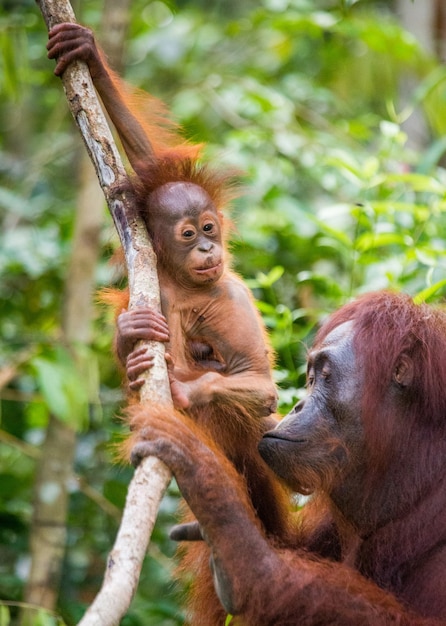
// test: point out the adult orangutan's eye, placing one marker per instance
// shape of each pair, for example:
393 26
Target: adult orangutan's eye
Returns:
310 379
325 373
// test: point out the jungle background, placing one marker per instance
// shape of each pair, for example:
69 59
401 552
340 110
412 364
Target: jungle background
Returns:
336 112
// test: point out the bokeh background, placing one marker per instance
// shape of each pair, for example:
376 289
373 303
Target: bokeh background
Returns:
336 112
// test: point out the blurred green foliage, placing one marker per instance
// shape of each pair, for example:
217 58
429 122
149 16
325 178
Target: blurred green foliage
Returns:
305 97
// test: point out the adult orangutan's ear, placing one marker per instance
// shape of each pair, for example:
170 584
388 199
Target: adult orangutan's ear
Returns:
404 370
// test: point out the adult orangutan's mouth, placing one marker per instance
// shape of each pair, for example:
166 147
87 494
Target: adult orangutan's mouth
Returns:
278 436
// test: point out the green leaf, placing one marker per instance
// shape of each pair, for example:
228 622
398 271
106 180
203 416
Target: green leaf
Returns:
267 280
418 182
426 256
429 292
65 384
5 616
372 241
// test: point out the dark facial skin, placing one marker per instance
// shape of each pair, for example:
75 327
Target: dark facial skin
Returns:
321 438
185 221
370 548
320 445
265 585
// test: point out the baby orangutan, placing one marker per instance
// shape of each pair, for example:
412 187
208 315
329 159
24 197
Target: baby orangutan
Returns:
218 355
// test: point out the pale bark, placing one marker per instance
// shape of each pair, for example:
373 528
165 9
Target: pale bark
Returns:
152 477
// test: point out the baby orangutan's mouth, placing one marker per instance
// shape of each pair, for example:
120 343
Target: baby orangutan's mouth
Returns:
211 269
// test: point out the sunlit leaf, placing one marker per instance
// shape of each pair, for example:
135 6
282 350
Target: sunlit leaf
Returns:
64 384
373 241
429 292
5 617
418 182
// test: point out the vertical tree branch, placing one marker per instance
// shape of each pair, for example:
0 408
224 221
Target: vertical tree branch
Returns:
48 530
152 477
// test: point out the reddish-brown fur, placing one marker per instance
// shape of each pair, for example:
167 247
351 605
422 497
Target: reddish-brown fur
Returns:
270 501
240 394
371 546
374 554
418 331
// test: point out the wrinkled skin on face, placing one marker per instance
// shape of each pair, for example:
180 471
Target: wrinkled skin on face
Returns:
263 584
321 439
221 379
367 552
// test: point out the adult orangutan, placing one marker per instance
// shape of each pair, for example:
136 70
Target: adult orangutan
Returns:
369 442
219 358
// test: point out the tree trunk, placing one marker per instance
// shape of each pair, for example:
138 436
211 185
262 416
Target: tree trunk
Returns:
55 467
48 528
151 477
